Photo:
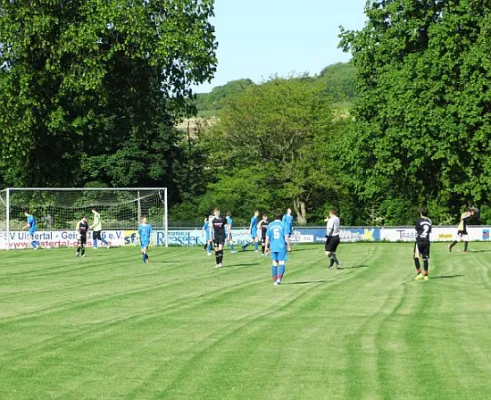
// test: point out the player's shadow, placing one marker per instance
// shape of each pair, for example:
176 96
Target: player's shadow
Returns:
356 266
450 276
479 251
305 282
240 265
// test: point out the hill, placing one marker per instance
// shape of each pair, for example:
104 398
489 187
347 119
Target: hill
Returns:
338 80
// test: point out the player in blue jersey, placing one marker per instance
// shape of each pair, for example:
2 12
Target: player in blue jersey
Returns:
253 232
228 228
275 239
206 232
288 222
145 236
32 226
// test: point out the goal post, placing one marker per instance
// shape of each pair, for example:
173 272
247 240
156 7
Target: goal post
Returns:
57 211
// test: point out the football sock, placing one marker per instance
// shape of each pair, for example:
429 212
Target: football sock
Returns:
104 241
78 249
453 244
274 272
208 248
246 245
466 245
256 246
83 251
205 247
417 265
332 261
95 243
220 256
262 248
143 257
282 271
231 247
146 256
217 256
425 264
335 259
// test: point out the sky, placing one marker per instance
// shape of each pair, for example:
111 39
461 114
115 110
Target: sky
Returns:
261 38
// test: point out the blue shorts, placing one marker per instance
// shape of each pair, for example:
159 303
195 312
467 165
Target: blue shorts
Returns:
278 255
32 231
254 235
144 245
289 231
207 238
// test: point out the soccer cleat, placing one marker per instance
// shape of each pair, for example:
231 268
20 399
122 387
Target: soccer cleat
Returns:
77 255
419 277
276 283
108 245
464 251
233 252
339 265
218 266
426 278
256 251
209 254
83 255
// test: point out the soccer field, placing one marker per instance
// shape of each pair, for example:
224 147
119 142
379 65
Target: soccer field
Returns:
108 327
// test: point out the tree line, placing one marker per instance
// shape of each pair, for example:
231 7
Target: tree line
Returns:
92 93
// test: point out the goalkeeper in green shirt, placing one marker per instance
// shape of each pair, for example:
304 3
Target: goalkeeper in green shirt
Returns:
97 228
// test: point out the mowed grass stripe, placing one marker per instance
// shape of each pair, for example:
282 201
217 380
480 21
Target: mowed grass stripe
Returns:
108 326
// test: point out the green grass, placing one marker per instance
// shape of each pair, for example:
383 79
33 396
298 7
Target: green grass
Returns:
109 327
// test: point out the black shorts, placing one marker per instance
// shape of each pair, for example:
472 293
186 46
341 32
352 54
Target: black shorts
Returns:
263 237
96 235
461 234
422 249
332 244
82 240
219 240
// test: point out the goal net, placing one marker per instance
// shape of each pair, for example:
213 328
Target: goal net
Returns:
58 210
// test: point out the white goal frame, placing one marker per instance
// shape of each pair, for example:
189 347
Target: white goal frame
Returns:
119 189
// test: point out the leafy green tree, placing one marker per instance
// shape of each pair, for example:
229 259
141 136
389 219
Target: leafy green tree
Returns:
279 132
422 126
97 83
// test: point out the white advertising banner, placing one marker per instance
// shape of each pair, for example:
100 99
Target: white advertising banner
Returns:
54 239
194 237
438 234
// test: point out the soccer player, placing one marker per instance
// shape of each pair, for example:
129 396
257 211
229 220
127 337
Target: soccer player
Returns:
145 236
262 226
288 222
218 224
206 232
253 232
97 228
275 239
32 225
229 227
332 238
422 245
82 228
462 230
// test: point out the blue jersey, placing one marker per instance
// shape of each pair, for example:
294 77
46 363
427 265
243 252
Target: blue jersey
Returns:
31 221
288 222
145 231
228 227
276 234
254 222
206 228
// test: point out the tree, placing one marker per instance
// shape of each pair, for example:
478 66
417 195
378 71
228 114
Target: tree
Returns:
422 126
94 81
279 131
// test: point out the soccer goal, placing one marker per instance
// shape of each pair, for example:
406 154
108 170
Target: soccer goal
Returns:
57 211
